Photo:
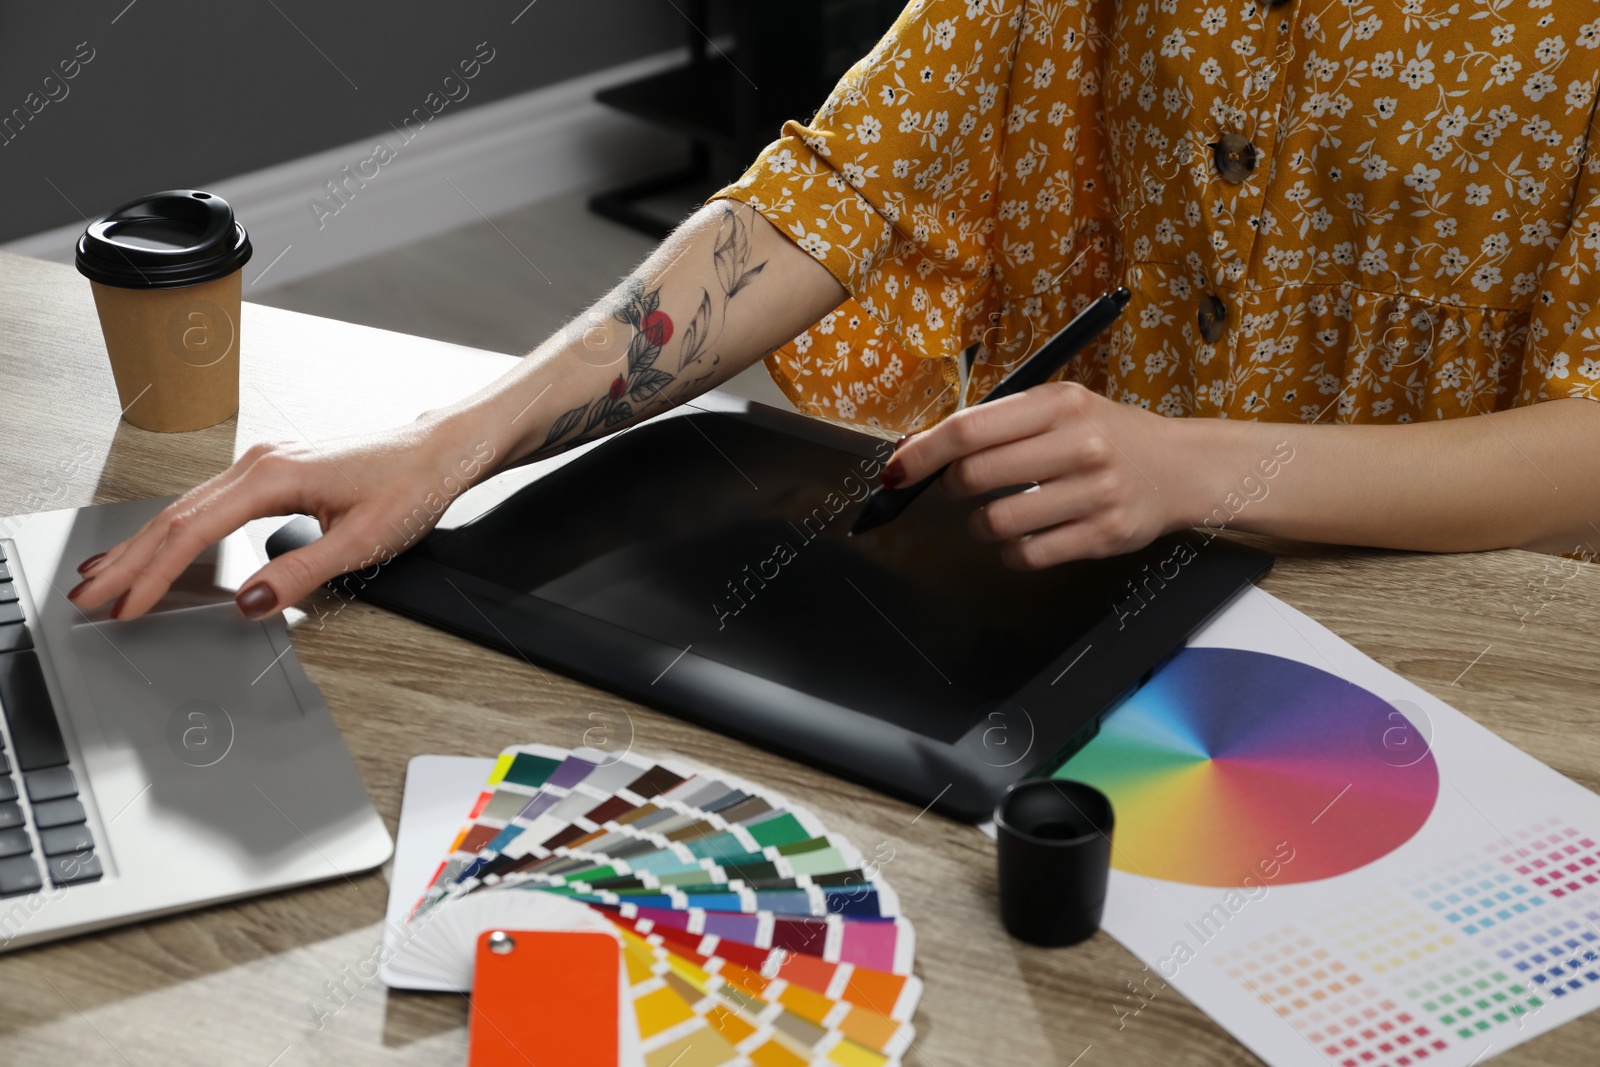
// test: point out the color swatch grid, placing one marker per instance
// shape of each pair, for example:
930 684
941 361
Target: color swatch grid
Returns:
1349 1020
1392 979
1474 998
1478 897
1558 958
1509 973
1382 932
1563 860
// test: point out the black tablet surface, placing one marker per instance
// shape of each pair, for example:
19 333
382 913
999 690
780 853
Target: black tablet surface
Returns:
699 563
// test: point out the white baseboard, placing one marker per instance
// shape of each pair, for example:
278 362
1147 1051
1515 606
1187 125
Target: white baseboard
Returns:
499 156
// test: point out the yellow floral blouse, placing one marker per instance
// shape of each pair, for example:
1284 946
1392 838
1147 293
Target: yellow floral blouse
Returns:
1347 210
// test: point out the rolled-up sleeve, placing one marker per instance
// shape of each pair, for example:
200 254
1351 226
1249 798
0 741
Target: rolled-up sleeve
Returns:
893 187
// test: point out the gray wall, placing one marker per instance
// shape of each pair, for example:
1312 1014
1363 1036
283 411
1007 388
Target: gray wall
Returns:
181 93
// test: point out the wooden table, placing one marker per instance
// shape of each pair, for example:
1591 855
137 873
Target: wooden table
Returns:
1507 637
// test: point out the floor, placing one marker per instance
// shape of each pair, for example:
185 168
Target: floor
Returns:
503 285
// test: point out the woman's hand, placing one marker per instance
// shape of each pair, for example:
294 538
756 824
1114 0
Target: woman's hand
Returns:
373 494
1109 477
376 494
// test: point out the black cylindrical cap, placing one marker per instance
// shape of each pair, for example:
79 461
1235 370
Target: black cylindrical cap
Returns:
163 241
1055 860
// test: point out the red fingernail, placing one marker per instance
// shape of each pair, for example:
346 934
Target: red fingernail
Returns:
73 593
116 609
257 600
893 474
83 568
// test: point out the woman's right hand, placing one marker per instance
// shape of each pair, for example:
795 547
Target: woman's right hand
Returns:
373 494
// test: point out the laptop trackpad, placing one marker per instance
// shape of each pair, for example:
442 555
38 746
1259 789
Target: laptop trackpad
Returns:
158 680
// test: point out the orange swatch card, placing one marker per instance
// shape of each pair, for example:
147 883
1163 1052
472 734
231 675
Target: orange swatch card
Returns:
545 998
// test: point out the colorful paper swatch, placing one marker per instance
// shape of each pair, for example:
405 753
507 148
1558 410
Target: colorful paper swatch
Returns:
747 933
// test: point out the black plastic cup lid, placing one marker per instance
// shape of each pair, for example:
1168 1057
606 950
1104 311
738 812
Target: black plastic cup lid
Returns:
163 241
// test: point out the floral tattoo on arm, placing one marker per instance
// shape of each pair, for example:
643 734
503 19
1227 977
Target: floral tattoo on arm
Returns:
646 387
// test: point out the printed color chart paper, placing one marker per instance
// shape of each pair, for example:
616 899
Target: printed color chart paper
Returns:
1334 864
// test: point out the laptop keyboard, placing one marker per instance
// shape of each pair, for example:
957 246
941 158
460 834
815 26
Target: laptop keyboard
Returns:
35 775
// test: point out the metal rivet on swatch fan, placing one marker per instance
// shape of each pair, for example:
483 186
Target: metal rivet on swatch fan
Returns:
501 943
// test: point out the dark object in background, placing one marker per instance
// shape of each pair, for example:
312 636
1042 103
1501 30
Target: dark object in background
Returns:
1055 860
732 102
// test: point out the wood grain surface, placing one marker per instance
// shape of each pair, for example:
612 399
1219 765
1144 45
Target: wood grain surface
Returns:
1507 637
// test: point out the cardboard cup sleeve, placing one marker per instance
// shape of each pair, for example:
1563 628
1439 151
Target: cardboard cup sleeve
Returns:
174 352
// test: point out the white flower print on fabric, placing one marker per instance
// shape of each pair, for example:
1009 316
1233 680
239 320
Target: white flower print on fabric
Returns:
1419 237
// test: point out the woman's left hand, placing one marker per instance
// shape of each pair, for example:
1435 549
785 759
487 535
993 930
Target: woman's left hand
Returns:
1110 477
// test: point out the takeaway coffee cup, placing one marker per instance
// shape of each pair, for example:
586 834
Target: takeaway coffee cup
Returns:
165 273
1055 860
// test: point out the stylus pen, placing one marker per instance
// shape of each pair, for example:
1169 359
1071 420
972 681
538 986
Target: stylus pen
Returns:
882 504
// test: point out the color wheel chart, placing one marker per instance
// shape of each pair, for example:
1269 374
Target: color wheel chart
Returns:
1225 754
1333 848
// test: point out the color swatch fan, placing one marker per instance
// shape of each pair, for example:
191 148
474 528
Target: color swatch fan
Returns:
748 934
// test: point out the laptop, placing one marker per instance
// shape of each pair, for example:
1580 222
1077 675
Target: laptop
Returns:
699 563
162 763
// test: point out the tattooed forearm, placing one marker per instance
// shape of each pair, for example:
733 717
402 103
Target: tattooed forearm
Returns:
642 386
694 338
732 254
